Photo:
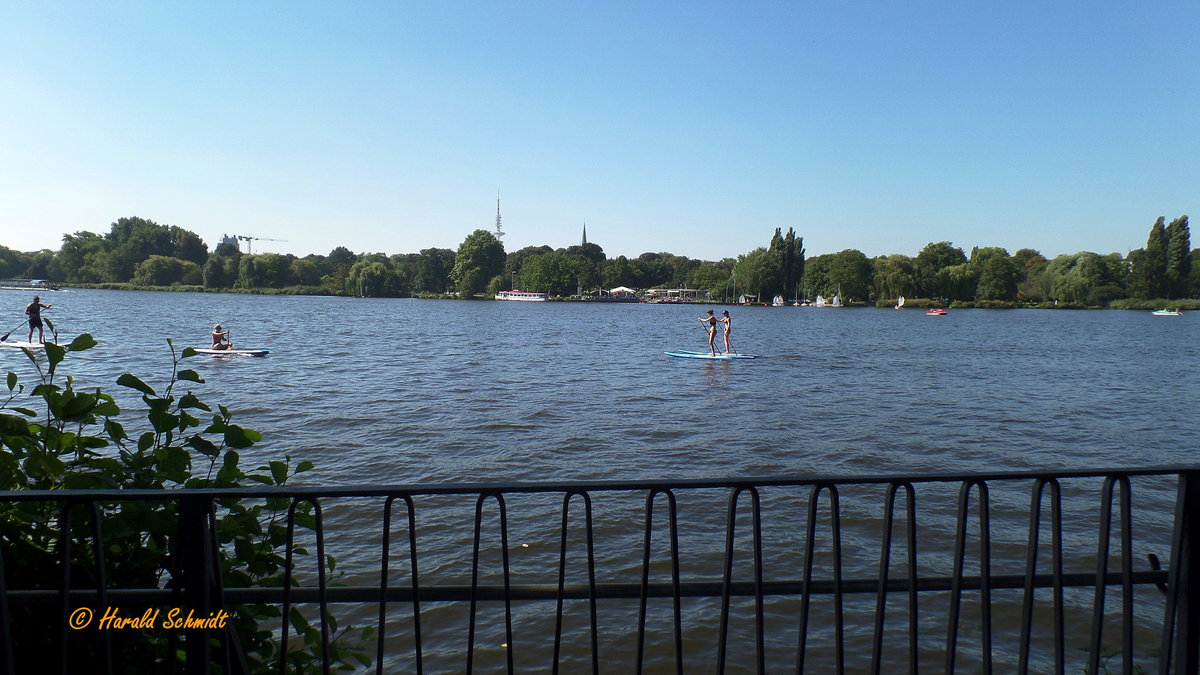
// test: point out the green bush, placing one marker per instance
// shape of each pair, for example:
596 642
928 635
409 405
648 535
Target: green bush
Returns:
58 437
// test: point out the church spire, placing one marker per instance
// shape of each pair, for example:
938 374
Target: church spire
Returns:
584 233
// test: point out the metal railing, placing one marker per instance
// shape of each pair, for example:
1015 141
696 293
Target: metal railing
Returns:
924 573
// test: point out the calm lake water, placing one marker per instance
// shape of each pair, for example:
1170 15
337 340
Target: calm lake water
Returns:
419 391
405 391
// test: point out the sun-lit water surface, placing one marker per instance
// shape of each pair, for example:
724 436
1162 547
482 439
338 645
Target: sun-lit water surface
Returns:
422 391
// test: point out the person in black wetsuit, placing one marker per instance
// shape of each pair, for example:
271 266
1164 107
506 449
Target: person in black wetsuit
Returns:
34 310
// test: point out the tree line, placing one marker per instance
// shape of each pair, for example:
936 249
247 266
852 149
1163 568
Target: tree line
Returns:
140 252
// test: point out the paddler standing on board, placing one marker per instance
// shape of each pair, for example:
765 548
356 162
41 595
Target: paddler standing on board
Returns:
34 310
728 329
220 338
712 331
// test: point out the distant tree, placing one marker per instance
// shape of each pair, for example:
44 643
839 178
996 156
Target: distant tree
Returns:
515 260
1148 277
997 279
1179 261
371 279
816 276
1194 282
12 263
591 251
715 277
794 262
1026 259
341 256
276 270
433 270
618 272
555 273
158 270
306 272
221 271
187 245
758 273
42 265
930 263
480 257
850 273
788 253
132 240
893 276
652 271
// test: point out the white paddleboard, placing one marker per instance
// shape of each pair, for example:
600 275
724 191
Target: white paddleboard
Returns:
687 354
26 345
232 352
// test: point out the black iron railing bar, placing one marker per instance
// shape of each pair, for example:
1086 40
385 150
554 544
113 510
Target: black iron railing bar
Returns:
807 582
885 554
593 625
985 581
414 583
615 591
587 486
322 586
505 574
677 614
1103 554
759 611
1181 650
1033 549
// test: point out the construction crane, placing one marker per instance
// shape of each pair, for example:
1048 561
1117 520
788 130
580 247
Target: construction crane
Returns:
249 239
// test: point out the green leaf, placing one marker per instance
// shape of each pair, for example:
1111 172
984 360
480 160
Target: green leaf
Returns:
131 381
114 430
82 342
203 445
174 462
189 400
11 425
145 441
54 354
278 471
12 380
237 437
190 376
188 351
304 466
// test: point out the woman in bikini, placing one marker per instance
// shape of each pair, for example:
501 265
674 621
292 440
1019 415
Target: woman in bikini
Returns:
712 331
728 329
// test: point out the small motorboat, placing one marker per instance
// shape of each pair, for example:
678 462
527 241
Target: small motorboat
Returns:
1167 312
936 311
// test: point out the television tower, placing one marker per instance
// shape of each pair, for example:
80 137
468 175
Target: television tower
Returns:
499 232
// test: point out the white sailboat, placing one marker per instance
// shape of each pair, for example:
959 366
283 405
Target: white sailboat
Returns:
777 301
900 302
836 302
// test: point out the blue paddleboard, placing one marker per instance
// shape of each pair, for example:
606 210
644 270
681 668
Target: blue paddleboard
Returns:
688 354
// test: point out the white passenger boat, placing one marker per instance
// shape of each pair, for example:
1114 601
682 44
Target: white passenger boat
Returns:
522 296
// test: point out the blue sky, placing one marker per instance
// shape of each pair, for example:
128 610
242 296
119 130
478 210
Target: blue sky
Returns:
690 127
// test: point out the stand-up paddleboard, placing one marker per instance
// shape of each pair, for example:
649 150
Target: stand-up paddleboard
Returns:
688 354
232 352
26 345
